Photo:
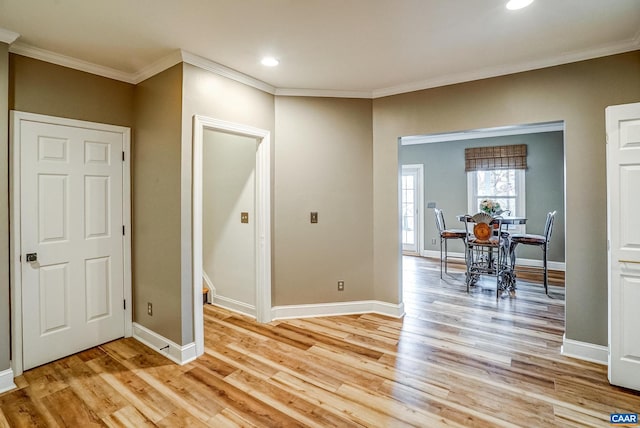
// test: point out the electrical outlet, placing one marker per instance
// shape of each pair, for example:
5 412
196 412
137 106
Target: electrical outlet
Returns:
433 241
149 309
340 285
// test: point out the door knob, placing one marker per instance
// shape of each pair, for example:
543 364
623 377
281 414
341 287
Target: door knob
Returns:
32 257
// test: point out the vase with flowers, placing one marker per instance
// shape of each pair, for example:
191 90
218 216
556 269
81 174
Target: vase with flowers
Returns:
490 207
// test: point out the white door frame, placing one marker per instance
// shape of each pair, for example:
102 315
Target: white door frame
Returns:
15 237
419 168
263 218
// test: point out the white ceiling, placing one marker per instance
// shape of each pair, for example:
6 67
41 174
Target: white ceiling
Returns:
359 47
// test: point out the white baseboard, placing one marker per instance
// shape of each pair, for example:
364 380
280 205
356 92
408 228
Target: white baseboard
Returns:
585 351
338 308
176 353
234 305
561 266
225 302
6 381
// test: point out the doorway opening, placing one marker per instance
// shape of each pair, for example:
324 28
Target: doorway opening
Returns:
446 186
262 225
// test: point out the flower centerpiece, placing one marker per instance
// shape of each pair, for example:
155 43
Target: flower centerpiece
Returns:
490 207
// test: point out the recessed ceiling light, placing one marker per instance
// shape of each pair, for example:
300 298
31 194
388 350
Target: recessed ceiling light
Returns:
518 4
269 61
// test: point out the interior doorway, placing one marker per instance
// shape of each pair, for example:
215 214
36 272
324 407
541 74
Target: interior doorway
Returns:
261 229
228 225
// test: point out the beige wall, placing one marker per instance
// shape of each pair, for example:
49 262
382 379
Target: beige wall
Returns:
576 93
156 205
211 95
323 159
4 209
45 88
228 187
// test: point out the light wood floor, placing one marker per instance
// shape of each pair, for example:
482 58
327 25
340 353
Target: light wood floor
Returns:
454 360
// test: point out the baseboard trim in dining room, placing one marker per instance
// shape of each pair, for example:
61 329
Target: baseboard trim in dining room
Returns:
337 308
559 266
585 351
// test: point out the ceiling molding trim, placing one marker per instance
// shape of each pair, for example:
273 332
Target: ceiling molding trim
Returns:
322 93
597 52
157 67
67 61
501 131
7 36
227 72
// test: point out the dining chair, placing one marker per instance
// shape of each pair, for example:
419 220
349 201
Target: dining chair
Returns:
486 251
541 241
446 234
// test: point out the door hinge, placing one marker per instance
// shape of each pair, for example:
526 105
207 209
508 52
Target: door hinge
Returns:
122 156
124 304
122 230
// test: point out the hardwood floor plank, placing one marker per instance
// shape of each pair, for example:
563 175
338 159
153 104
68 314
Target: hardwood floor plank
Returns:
454 359
247 406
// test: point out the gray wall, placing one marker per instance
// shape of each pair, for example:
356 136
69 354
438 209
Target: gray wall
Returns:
446 185
4 209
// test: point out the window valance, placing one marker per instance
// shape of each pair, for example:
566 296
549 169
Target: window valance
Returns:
495 157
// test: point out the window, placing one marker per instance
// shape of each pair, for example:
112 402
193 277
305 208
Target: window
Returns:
506 186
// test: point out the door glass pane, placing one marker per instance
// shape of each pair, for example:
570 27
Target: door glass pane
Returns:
408 209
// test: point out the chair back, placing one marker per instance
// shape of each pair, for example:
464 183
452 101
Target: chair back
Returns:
548 226
482 227
439 220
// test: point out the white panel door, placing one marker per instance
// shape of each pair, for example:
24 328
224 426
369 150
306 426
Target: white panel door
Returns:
71 239
623 182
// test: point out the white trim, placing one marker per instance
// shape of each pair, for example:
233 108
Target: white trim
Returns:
489 72
472 134
227 72
176 353
450 79
559 266
8 37
225 302
338 308
585 351
327 93
15 238
234 305
263 218
6 381
156 67
69 62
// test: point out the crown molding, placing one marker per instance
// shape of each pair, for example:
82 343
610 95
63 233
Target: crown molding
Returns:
156 67
328 93
597 52
178 56
7 36
471 134
69 62
227 72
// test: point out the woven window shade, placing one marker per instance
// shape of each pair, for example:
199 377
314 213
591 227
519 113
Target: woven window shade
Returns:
496 157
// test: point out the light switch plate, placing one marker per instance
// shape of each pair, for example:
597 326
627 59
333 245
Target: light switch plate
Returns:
314 216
